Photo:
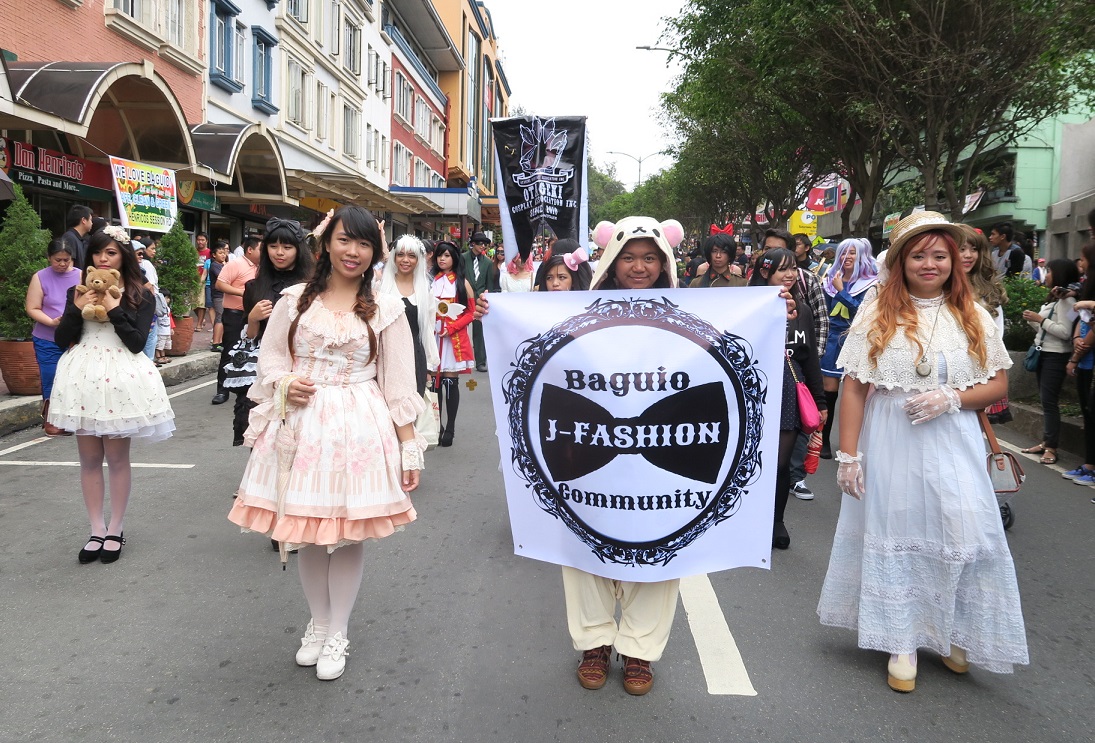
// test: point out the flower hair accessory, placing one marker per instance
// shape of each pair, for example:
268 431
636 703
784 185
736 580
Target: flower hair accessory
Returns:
576 258
117 234
317 232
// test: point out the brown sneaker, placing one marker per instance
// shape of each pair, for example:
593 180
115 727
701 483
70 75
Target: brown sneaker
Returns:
638 676
593 670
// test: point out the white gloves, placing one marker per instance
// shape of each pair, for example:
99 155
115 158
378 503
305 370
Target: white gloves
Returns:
932 404
849 474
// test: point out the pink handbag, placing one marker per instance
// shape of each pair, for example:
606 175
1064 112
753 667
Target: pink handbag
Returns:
807 409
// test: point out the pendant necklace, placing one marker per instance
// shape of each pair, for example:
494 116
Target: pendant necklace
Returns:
924 368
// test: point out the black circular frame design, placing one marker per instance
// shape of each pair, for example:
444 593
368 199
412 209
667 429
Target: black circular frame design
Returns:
733 354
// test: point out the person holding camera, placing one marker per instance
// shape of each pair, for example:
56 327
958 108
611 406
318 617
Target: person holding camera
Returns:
1053 335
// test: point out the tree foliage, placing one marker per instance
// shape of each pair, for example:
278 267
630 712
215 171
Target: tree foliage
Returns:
23 246
178 272
877 85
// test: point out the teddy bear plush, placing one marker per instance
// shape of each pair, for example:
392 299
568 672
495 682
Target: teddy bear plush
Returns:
104 281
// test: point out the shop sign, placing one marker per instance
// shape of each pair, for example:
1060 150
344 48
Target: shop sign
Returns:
146 194
454 232
190 196
37 167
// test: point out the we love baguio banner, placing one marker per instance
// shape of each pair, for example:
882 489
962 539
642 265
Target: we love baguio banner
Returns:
639 429
540 166
147 195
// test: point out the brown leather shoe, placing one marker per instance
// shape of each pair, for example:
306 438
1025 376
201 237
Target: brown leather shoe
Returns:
638 676
52 430
593 670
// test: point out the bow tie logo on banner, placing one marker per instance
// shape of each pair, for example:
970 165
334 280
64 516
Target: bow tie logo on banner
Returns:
684 433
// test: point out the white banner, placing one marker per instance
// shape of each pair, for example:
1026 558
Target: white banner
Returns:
639 429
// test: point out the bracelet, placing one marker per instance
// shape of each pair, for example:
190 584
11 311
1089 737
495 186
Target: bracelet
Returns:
411 456
845 458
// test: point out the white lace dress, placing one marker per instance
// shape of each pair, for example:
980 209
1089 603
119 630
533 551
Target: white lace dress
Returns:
345 480
922 561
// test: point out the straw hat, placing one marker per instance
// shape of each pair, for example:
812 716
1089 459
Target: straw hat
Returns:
915 224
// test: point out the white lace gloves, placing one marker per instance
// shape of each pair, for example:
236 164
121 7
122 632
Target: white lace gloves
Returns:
932 404
849 474
411 456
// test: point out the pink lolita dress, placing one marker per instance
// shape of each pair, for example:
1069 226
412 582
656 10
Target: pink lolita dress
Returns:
344 483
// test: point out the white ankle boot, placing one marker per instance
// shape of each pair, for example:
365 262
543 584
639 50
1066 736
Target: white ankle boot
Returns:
957 660
310 645
332 658
902 672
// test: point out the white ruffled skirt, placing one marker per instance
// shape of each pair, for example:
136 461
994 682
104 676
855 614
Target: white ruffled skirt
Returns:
104 389
922 561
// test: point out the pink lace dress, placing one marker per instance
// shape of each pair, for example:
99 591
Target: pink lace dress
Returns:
344 483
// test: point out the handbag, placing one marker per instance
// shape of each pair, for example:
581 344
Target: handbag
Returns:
428 423
1005 472
808 413
1034 353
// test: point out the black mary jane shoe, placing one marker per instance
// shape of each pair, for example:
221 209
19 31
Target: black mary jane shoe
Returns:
87 555
109 556
446 438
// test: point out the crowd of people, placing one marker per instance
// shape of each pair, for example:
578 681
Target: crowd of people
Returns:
330 341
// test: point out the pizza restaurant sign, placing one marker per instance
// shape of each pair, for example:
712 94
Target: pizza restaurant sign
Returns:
55 171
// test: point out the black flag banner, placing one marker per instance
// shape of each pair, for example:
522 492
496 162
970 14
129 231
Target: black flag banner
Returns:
541 173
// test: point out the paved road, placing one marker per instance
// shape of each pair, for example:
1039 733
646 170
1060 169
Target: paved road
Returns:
191 635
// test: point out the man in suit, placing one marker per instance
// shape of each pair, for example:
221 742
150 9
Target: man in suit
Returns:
477 270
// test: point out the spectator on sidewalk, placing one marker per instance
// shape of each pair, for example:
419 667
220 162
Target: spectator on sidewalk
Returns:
232 280
1052 325
1081 364
45 304
1009 256
77 228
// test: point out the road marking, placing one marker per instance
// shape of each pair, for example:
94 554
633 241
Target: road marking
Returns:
24 445
719 656
14 463
191 389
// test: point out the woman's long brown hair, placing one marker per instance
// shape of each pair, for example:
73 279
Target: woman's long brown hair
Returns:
896 308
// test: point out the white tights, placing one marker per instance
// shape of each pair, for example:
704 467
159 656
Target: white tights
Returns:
331 582
93 450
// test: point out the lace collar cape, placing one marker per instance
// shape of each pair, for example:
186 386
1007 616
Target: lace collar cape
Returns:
896 366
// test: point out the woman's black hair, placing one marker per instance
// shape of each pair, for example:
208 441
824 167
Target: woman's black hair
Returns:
97 224
1063 271
721 241
268 275
57 245
772 260
579 279
457 267
133 279
1088 289
359 224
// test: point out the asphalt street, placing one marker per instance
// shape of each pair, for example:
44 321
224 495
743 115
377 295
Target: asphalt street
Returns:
190 636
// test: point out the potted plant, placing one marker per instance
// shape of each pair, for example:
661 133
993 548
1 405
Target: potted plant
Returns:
178 273
23 246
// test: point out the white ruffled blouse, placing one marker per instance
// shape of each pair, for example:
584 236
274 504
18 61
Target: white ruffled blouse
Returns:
896 366
330 347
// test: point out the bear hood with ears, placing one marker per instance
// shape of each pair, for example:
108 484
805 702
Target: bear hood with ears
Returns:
613 237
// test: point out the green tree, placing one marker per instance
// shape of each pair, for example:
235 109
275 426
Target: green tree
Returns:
603 187
178 272
23 246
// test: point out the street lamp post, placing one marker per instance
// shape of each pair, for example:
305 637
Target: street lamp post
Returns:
639 160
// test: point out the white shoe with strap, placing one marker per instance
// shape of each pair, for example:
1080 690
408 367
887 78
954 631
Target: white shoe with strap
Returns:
332 658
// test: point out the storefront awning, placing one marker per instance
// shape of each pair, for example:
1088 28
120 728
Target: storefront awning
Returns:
348 188
247 157
119 108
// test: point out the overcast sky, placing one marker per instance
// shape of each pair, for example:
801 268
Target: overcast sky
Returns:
578 58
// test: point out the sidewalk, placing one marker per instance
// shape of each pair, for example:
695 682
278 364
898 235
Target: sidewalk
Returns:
23 411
